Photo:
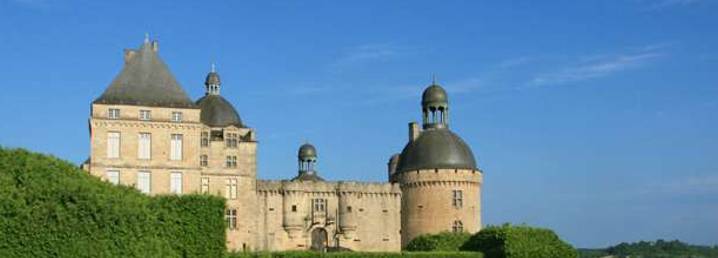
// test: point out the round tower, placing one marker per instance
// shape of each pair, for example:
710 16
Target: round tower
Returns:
437 172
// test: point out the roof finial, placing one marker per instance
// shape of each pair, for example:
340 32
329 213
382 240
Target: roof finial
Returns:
433 79
213 69
147 38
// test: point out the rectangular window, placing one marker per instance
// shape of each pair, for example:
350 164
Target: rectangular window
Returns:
231 189
144 146
457 198
176 147
144 181
176 182
231 161
205 139
349 209
176 117
113 176
231 140
231 216
145 115
113 113
113 145
319 204
294 208
205 185
458 226
203 162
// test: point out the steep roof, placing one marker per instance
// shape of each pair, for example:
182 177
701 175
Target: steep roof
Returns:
145 80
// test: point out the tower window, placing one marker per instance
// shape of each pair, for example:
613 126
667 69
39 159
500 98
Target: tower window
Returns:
231 189
231 161
457 227
231 216
203 160
176 182
144 181
176 147
113 176
231 140
113 145
205 185
176 117
294 208
204 142
349 209
145 115
457 198
113 113
319 205
144 146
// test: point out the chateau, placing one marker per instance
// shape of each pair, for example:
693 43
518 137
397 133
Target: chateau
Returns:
146 132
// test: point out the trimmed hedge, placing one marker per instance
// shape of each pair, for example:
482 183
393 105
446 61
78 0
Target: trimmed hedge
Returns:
444 241
310 254
508 241
50 208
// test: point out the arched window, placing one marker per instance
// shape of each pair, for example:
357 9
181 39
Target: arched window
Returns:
458 226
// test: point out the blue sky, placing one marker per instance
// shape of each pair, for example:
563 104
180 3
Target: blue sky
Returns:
597 119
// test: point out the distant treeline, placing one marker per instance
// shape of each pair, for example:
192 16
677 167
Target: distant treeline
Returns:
653 249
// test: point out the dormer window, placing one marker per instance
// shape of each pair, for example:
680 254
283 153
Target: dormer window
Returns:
113 113
231 140
176 117
145 115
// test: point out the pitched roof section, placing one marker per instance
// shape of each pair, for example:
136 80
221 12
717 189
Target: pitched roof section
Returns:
145 80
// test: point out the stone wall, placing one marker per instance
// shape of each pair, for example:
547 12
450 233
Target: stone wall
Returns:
358 216
216 173
427 201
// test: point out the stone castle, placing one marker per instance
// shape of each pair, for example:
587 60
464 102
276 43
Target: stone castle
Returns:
146 132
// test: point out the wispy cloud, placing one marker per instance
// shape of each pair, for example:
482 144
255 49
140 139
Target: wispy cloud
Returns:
696 185
35 4
368 53
599 66
656 5
512 62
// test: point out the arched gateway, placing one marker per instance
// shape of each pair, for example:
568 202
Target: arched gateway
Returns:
319 239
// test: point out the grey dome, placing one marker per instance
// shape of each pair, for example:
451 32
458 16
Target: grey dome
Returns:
434 95
212 78
436 148
218 112
307 151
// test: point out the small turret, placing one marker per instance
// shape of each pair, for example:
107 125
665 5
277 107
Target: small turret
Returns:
307 159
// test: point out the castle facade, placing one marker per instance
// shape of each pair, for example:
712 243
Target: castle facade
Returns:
146 132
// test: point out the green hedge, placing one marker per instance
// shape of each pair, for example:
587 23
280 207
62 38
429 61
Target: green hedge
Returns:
50 208
508 241
444 241
309 254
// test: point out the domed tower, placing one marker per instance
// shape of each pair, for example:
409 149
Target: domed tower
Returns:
307 159
216 110
437 172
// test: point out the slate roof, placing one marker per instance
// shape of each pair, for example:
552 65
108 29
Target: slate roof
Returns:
436 148
145 80
216 111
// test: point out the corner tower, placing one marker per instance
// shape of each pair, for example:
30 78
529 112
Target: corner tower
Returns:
437 172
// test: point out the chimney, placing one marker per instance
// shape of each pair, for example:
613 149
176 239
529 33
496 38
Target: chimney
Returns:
414 131
129 54
155 46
